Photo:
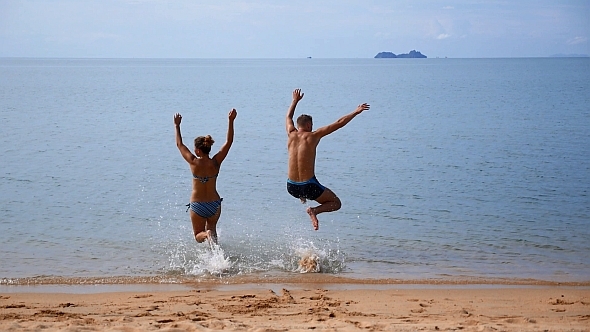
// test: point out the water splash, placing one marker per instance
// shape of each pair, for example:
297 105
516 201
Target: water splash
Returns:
241 255
199 260
309 258
212 261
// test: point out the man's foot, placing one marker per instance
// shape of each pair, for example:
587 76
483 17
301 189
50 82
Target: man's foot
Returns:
314 219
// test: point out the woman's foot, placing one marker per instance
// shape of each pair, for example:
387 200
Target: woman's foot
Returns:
202 236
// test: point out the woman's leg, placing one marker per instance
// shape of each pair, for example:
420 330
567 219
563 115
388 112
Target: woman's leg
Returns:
198 227
212 225
204 228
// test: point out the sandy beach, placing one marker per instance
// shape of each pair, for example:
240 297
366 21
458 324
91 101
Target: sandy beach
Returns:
293 307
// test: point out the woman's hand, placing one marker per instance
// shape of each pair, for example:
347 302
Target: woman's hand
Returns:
177 119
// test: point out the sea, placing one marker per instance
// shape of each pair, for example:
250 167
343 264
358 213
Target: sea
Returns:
463 169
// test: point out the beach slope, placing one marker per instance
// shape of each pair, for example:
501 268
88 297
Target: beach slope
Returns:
295 308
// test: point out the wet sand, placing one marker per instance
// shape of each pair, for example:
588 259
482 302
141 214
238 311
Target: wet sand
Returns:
304 307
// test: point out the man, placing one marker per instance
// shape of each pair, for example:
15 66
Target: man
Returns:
301 144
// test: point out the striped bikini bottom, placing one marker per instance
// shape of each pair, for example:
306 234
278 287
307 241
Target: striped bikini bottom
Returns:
205 209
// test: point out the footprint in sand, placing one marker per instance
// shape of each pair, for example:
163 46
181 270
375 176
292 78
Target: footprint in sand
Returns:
560 302
65 305
143 296
14 306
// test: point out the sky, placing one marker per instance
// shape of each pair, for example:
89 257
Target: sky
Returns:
292 29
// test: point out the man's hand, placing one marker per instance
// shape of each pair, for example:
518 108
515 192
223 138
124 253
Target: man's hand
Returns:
362 107
297 95
177 119
232 114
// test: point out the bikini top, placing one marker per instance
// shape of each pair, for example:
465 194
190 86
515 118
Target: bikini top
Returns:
205 179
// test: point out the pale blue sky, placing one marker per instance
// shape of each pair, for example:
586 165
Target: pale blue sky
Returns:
292 29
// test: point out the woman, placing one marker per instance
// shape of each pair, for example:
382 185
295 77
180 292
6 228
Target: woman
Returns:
205 203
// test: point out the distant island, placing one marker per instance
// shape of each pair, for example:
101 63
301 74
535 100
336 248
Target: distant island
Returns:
569 55
389 55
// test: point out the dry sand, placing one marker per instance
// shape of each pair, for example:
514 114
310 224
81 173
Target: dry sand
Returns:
294 307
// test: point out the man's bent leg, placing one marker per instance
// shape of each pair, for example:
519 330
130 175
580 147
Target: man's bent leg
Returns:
328 202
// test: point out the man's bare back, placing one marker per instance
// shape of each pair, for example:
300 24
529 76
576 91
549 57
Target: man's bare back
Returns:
302 151
302 144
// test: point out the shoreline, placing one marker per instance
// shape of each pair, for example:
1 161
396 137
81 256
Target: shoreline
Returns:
306 278
223 287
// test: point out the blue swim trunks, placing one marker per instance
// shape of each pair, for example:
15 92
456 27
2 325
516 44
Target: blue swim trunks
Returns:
205 209
310 189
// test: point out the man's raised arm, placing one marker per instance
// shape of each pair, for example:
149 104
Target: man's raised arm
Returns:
297 96
327 130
